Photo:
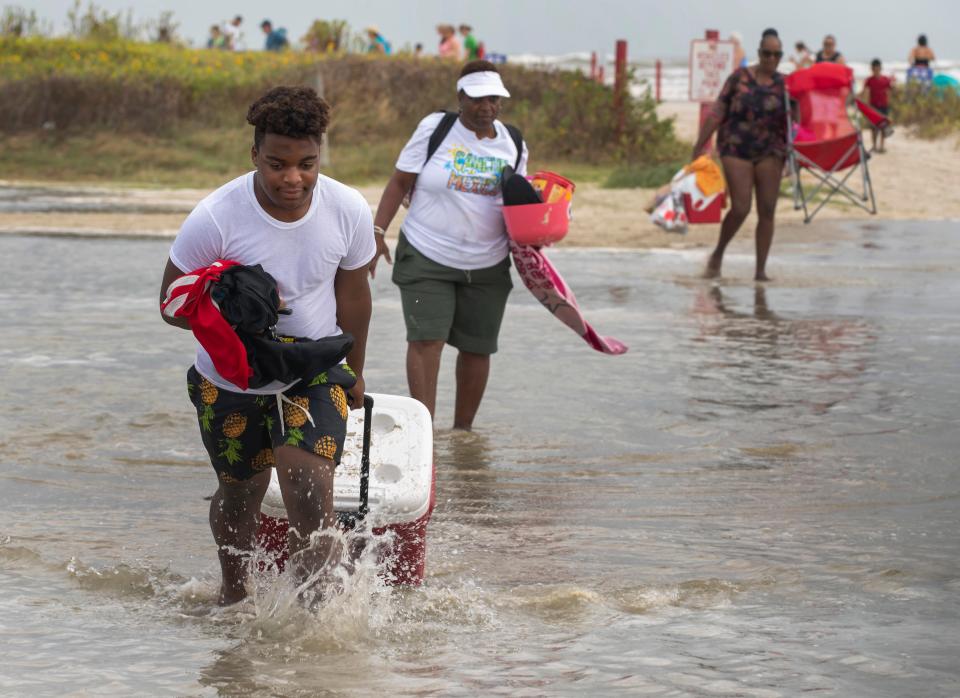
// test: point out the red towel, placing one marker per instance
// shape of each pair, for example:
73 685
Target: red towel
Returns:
548 287
189 297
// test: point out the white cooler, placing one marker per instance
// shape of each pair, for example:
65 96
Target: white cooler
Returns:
400 487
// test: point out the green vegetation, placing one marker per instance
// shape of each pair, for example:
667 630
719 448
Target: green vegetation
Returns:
933 114
104 107
645 176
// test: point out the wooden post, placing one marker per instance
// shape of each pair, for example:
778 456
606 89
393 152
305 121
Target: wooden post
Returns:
657 81
620 84
324 141
706 107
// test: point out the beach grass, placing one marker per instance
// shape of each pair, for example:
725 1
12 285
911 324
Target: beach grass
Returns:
155 113
931 115
203 158
643 176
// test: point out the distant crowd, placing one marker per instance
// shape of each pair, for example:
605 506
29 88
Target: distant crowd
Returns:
456 43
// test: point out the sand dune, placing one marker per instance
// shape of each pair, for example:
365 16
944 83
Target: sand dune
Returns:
913 181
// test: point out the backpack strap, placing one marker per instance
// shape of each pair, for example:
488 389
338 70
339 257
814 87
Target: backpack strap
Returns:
443 128
447 122
440 132
517 141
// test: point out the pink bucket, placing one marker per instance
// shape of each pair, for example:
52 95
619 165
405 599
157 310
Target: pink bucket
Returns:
537 224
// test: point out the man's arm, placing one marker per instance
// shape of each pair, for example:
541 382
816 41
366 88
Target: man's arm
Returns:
169 274
352 291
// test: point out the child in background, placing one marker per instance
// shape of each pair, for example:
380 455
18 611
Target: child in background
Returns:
877 88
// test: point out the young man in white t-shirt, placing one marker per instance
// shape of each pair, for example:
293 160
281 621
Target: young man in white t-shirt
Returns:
315 237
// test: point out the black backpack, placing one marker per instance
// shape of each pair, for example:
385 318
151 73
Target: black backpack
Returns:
447 122
441 131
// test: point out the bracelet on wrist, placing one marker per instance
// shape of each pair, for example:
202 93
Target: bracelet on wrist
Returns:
377 230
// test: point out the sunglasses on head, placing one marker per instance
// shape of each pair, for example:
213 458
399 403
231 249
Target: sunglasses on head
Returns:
766 53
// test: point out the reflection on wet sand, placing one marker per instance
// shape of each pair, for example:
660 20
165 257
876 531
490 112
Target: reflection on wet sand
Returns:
463 469
765 356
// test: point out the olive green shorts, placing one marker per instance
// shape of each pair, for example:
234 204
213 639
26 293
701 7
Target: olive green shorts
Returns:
463 308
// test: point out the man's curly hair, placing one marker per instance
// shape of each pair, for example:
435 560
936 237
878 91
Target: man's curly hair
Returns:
297 112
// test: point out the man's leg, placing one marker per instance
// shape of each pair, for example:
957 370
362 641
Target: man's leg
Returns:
234 515
238 443
739 176
472 373
306 484
423 368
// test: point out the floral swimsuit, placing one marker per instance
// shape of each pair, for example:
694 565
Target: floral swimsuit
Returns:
753 117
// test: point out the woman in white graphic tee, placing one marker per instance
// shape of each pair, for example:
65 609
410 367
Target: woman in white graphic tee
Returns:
452 256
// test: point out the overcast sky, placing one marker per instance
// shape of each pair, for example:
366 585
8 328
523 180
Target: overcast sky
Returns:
654 29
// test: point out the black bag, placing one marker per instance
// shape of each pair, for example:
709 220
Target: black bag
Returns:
248 299
517 190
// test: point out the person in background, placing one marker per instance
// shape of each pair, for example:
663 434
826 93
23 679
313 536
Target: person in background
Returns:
471 46
921 55
276 38
453 255
377 44
802 58
739 55
876 89
449 46
232 32
751 119
216 38
829 52
418 51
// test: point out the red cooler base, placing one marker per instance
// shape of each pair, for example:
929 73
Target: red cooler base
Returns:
409 549
409 543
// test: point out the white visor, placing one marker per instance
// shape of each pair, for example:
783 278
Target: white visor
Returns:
485 84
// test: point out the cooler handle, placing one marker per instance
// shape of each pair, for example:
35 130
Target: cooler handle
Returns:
349 519
365 459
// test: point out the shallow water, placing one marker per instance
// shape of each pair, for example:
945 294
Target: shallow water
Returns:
760 499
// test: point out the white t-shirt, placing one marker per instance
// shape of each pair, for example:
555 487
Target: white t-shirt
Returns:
234 36
303 256
455 216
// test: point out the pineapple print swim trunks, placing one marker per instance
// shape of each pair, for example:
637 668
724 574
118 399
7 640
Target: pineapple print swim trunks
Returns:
241 430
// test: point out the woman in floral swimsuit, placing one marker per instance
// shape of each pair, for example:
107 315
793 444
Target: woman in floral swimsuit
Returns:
751 123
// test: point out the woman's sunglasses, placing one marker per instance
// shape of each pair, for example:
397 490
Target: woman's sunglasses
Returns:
771 54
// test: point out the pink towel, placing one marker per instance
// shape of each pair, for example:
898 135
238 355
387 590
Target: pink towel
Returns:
548 287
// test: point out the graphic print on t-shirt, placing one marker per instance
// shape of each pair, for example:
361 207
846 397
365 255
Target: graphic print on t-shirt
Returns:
474 174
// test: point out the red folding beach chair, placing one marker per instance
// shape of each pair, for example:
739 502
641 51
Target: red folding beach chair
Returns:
826 143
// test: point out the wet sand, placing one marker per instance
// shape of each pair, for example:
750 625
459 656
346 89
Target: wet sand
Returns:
914 180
